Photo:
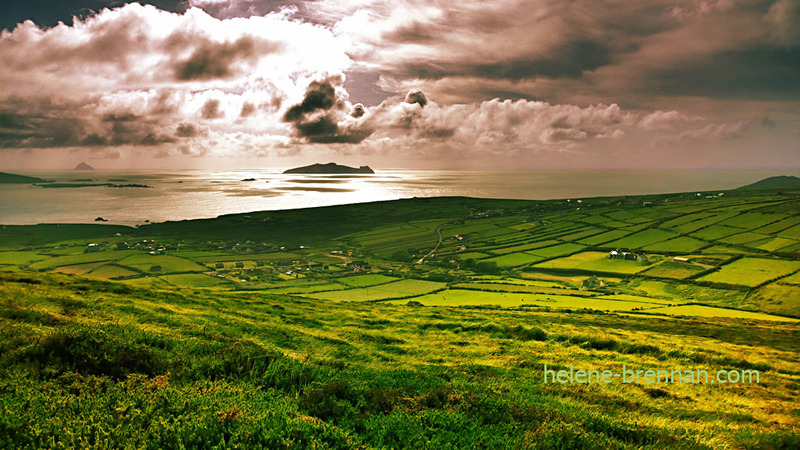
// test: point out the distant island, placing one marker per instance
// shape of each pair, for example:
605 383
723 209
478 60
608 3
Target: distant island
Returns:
83 166
329 168
779 182
12 178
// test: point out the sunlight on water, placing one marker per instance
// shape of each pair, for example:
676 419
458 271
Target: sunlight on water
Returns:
203 194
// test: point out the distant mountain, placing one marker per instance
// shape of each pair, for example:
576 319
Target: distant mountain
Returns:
329 168
83 166
19 179
779 182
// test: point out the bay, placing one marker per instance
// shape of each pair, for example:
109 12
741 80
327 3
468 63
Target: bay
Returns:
208 193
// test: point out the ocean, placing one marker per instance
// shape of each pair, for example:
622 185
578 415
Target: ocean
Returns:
208 193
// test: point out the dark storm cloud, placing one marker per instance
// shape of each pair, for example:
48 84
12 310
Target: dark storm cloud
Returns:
358 110
320 95
317 118
186 130
247 109
42 123
416 96
211 60
758 73
569 61
211 109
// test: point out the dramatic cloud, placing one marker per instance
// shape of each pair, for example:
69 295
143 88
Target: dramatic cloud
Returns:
321 116
511 83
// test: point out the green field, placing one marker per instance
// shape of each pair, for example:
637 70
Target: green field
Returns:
595 262
752 271
682 244
707 311
674 269
556 250
350 327
365 280
459 297
513 259
397 289
194 280
168 263
641 239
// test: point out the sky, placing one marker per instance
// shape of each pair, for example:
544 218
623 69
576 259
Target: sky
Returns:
419 84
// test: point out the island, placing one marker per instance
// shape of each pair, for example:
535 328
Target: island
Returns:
83 166
13 178
329 168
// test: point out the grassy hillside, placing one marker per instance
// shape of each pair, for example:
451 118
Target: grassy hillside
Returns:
96 364
737 249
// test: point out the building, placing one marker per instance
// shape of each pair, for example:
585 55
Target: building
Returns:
593 282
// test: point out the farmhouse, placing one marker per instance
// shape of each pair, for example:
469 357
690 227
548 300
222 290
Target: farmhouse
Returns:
681 259
593 282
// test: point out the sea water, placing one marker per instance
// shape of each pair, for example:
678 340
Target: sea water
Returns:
204 194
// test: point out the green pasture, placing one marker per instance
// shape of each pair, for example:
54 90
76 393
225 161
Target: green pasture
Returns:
708 311
397 289
674 269
524 247
744 238
21 257
557 250
641 239
792 233
459 297
111 271
194 280
715 232
365 280
602 238
82 258
702 223
79 269
168 263
682 244
752 271
522 289
595 262
776 244
752 220
781 225
513 259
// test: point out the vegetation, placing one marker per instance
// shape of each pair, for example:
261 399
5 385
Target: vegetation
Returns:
411 323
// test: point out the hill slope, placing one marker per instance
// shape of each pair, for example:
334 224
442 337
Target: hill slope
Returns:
778 182
180 368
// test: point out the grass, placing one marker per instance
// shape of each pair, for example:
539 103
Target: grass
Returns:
557 250
81 258
398 289
602 238
674 269
682 244
513 259
194 280
594 262
752 271
641 239
92 363
168 263
707 311
365 280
